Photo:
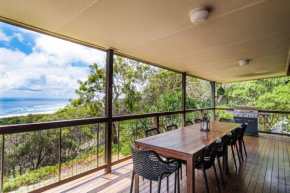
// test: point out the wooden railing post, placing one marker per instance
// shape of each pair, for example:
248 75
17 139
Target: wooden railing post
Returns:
2 163
183 120
212 85
156 122
109 108
200 114
59 156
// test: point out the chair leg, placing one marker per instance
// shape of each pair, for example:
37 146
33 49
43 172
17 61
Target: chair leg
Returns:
216 177
205 179
178 182
132 181
244 147
224 165
238 153
241 149
167 185
150 186
175 180
219 163
234 157
227 168
180 172
159 184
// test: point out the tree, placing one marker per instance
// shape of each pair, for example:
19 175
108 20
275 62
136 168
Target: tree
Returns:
128 78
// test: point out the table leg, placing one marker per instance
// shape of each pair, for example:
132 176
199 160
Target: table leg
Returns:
136 185
190 172
225 161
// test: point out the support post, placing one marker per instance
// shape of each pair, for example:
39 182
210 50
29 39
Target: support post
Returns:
183 99
109 108
212 85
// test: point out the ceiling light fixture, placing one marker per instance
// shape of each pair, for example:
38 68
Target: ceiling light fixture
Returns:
199 15
244 62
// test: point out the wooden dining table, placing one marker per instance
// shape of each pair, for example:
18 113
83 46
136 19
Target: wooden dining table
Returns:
186 144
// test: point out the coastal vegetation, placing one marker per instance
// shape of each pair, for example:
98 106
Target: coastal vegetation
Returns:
31 157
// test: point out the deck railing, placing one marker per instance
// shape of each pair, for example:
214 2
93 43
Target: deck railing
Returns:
88 154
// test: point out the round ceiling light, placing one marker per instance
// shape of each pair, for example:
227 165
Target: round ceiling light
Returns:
244 62
199 15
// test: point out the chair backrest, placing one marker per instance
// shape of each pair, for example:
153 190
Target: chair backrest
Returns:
210 154
197 120
151 132
188 123
147 164
235 135
171 127
242 132
227 120
222 146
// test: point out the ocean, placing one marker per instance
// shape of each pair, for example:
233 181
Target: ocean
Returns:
23 106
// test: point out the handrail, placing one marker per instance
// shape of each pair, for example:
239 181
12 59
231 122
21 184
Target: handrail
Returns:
273 111
261 111
8 129
19 128
225 109
194 110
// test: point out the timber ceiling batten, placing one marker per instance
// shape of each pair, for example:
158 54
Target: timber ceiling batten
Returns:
163 34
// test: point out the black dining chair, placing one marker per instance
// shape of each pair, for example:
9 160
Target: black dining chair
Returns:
222 152
206 161
188 123
155 131
241 140
149 165
171 127
151 132
227 120
197 121
233 143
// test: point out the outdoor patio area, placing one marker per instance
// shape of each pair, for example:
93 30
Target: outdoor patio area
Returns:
145 96
265 170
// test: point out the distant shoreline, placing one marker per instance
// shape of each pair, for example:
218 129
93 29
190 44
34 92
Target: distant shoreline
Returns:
22 115
20 107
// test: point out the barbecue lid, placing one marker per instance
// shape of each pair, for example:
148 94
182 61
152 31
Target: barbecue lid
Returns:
246 108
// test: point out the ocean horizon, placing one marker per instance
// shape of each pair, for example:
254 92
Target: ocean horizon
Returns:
10 107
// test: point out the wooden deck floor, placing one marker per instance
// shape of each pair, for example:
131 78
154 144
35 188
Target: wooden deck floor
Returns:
266 169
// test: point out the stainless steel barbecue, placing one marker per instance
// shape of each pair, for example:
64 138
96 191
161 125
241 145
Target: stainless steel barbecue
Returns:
249 115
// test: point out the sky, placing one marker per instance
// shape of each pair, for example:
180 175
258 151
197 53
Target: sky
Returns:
33 65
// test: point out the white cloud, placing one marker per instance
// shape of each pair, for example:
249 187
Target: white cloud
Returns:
18 36
48 70
66 52
4 37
